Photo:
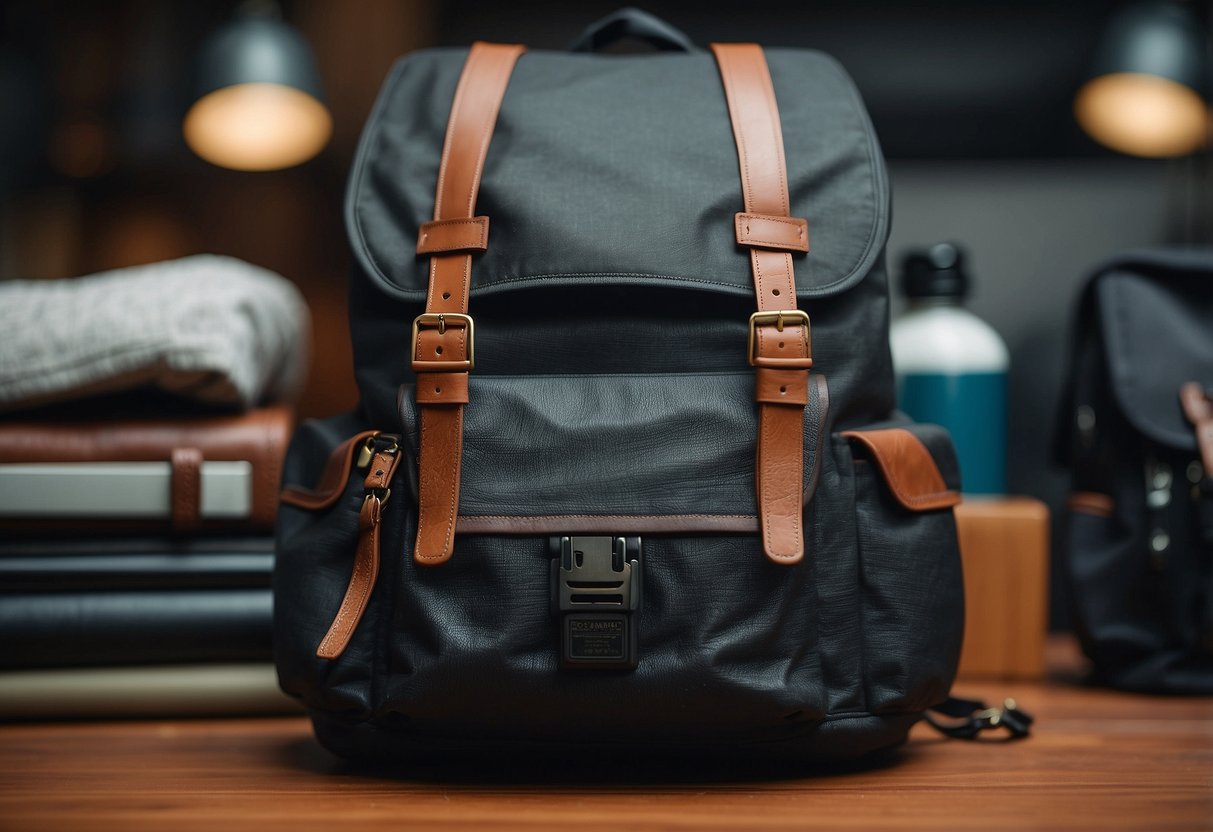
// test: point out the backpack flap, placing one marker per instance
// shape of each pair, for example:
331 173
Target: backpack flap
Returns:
1137 559
1157 325
618 169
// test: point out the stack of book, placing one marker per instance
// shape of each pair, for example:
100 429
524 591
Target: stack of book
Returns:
135 562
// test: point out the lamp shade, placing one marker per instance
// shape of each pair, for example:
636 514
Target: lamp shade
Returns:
1147 92
257 98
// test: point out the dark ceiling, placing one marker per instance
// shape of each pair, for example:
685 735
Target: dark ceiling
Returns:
941 79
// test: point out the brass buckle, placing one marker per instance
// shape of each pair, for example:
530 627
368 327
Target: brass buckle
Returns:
780 318
442 320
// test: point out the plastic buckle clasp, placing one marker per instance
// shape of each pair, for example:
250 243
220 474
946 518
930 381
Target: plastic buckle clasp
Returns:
780 318
442 320
595 590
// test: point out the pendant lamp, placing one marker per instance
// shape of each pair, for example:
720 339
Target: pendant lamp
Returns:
1148 90
258 103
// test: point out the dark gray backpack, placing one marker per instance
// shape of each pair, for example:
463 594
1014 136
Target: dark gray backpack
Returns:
605 489
1136 431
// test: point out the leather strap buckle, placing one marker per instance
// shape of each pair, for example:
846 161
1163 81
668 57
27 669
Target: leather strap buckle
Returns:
780 318
442 320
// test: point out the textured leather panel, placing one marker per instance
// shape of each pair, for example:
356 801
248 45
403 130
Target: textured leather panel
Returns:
646 445
460 234
774 232
907 467
257 436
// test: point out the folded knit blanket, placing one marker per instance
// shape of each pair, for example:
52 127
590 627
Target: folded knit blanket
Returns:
209 328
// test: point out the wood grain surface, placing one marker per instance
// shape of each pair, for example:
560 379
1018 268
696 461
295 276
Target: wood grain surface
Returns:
1099 760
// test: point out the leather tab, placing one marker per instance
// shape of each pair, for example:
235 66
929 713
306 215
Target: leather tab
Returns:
442 388
445 236
381 470
788 387
765 231
186 489
362 581
1198 408
908 468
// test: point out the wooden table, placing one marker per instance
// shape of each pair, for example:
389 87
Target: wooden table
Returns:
1098 760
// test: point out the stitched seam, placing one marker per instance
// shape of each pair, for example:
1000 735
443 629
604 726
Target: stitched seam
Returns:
738 129
776 132
754 258
499 87
773 243
423 509
453 496
464 287
793 221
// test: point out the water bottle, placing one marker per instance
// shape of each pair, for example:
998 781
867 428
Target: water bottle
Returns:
951 366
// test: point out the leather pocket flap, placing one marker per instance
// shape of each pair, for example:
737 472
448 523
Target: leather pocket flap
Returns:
907 466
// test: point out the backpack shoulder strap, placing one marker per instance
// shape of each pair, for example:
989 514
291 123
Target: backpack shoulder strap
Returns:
779 346
443 338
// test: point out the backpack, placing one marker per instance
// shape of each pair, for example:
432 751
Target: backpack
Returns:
605 488
1136 432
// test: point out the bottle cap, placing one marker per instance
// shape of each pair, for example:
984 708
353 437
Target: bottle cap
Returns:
936 272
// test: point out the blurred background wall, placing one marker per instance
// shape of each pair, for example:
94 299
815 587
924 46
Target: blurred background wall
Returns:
972 102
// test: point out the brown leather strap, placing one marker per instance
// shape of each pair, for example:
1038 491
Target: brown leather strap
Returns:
362 581
366 558
444 333
780 350
186 489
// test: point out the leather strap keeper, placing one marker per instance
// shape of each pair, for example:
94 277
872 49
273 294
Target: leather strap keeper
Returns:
781 387
444 236
442 388
766 231
186 489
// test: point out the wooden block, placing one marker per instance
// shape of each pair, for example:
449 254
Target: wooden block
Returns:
1004 546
